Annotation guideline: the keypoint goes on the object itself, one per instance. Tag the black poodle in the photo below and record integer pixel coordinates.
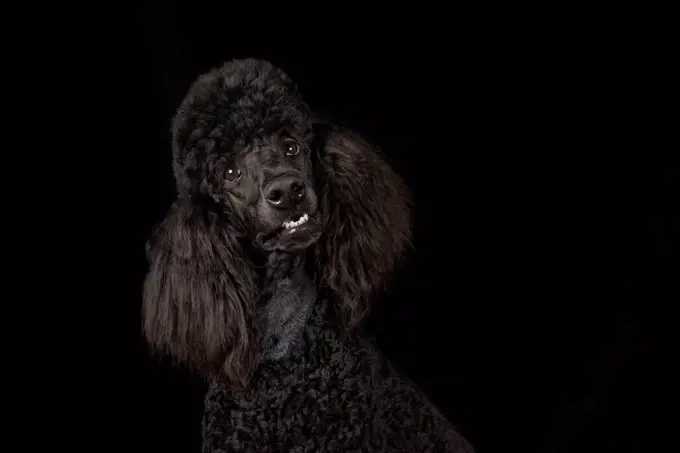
(284, 230)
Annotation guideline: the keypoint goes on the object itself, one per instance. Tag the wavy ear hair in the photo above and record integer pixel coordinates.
(366, 213)
(200, 292)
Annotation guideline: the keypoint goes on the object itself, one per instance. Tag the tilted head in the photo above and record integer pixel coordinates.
(243, 137)
(255, 174)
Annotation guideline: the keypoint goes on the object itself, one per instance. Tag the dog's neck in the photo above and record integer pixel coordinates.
(286, 303)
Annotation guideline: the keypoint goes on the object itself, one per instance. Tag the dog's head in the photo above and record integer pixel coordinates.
(255, 171)
(243, 137)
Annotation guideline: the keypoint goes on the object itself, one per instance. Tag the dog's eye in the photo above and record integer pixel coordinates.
(291, 147)
(232, 175)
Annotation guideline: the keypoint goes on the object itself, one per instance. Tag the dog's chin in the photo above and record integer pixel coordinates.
(290, 238)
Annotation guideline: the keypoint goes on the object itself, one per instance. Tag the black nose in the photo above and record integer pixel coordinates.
(284, 192)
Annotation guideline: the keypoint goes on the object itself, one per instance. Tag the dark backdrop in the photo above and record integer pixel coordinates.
(536, 238)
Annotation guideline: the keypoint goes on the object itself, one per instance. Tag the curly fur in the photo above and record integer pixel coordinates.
(207, 279)
(366, 217)
(341, 395)
(200, 292)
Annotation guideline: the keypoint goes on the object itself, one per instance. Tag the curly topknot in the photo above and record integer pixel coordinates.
(227, 108)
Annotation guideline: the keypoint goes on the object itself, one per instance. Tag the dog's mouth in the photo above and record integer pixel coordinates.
(292, 225)
(297, 233)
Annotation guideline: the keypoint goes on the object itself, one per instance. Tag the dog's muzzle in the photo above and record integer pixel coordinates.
(291, 214)
(285, 192)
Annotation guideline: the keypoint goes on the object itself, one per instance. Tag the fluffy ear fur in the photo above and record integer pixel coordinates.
(366, 213)
(200, 292)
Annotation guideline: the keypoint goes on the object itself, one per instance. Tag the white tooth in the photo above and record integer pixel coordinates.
(292, 224)
(293, 230)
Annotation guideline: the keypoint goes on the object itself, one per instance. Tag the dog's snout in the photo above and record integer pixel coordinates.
(284, 192)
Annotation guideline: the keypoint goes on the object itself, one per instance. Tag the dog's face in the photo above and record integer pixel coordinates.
(243, 136)
(270, 186)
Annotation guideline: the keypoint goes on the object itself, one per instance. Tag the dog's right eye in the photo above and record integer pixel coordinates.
(232, 175)
(291, 147)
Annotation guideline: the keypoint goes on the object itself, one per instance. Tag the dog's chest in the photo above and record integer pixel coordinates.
(284, 318)
(339, 395)
(320, 396)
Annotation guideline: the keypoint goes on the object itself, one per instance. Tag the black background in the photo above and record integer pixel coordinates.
(541, 227)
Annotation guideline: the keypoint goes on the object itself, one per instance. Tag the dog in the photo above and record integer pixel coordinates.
(286, 229)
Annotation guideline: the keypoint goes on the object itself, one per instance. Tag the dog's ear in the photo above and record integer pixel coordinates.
(366, 214)
(199, 293)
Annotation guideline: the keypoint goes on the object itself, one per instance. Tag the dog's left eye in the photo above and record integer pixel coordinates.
(291, 147)
(232, 175)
